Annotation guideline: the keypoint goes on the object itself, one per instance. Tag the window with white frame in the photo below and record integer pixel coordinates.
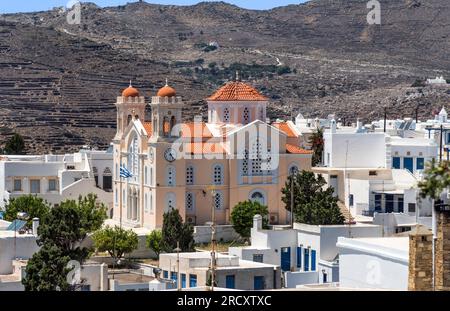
(171, 176)
(218, 174)
(17, 185)
(151, 175)
(35, 186)
(146, 175)
(226, 115)
(52, 186)
(218, 200)
(190, 201)
(257, 196)
(146, 203)
(151, 203)
(190, 175)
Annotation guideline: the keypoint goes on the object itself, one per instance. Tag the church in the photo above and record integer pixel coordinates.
(199, 166)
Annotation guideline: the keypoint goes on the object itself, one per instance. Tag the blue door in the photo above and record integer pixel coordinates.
(299, 257)
(258, 282)
(420, 163)
(396, 162)
(313, 260)
(285, 259)
(183, 280)
(306, 260)
(229, 282)
(408, 164)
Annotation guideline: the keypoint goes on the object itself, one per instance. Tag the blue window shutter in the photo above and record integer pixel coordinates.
(299, 257)
(313, 260)
(192, 280)
(183, 280)
(306, 259)
(420, 163)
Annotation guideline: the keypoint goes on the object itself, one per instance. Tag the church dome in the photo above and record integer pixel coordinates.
(130, 92)
(166, 91)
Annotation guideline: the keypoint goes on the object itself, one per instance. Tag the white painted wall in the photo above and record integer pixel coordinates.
(25, 248)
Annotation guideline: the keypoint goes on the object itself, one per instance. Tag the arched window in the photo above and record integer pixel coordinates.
(146, 176)
(218, 200)
(171, 176)
(190, 175)
(246, 115)
(170, 202)
(146, 203)
(166, 126)
(293, 169)
(117, 171)
(226, 115)
(261, 114)
(258, 196)
(151, 203)
(190, 202)
(133, 158)
(151, 176)
(129, 119)
(217, 174)
(173, 122)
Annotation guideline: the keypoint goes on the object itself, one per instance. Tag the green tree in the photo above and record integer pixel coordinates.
(174, 230)
(116, 241)
(154, 241)
(436, 179)
(30, 204)
(15, 145)
(313, 204)
(242, 216)
(47, 270)
(68, 224)
(317, 143)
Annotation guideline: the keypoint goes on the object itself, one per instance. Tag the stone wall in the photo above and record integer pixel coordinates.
(420, 276)
(442, 255)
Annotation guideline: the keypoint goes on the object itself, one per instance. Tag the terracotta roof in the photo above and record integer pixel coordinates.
(237, 91)
(148, 128)
(204, 148)
(285, 128)
(297, 150)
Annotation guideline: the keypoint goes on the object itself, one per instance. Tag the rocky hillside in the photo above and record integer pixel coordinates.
(58, 82)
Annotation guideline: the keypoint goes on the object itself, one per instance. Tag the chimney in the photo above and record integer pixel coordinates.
(420, 275)
(35, 226)
(442, 251)
(257, 222)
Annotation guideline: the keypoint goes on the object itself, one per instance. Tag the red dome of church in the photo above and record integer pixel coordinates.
(166, 91)
(130, 92)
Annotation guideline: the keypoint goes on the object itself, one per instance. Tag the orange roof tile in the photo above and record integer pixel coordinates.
(204, 148)
(285, 128)
(236, 91)
(297, 150)
(148, 128)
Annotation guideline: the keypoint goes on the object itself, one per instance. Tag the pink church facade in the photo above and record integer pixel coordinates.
(197, 166)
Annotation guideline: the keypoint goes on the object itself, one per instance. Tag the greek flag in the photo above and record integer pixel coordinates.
(124, 173)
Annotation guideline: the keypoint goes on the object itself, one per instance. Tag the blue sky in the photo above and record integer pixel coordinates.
(13, 6)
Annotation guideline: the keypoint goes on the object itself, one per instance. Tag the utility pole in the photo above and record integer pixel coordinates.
(213, 238)
(440, 144)
(178, 250)
(292, 197)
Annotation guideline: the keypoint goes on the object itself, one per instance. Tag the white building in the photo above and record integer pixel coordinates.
(438, 80)
(231, 271)
(56, 178)
(374, 171)
(378, 263)
(306, 254)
